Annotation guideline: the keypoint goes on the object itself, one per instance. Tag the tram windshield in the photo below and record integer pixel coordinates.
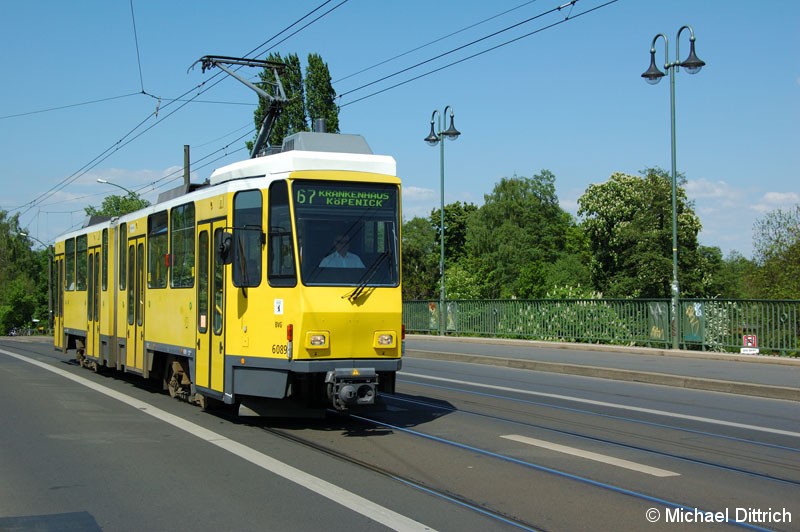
(347, 233)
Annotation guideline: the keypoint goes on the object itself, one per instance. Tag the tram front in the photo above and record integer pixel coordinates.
(347, 342)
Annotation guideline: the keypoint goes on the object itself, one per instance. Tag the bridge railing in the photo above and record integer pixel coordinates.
(705, 324)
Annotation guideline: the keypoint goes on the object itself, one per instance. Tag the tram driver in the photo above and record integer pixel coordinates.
(341, 256)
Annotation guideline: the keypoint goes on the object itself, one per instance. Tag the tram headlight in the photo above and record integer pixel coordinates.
(384, 340)
(317, 340)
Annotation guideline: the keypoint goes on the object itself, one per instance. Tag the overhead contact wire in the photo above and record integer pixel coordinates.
(477, 54)
(118, 144)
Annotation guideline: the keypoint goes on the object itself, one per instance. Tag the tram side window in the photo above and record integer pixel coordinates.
(182, 246)
(202, 282)
(280, 254)
(69, 261)
(57, 288)
(157, 250)
(217, 286)
(104, 281)
(123, 255)
(131, 283)
(80, 262)
(92, 299)
(247, 238)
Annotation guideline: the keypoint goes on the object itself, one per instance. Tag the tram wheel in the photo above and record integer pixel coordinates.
(173, 384)
(205, 403)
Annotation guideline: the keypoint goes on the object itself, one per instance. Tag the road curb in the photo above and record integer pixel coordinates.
(609, 348)
(664, 379)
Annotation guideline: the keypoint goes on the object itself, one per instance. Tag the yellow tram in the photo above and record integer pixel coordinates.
(275, 285)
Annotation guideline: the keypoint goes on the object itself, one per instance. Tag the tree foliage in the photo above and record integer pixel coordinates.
(517, 234)
(456, 216)
(293, 117)
(727, 277)
(23, 277)
(628, 223)
(309, 98)
(420, 260)
(320, 96)
(776, 239)
(114, 205)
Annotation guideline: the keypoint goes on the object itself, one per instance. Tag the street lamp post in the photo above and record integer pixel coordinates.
(653, 75)
(49, 279)
(107, 182)
(437, 136)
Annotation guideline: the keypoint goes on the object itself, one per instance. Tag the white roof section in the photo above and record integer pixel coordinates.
(296, 160)
(303, 151)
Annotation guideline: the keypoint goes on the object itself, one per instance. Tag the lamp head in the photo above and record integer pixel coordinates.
(693, 64)
(653, 75)
(451, 132)
(432, 139)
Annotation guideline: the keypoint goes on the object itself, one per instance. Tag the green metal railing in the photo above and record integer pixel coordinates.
(705, 324)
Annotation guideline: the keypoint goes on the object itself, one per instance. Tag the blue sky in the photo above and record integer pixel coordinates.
(569, 99)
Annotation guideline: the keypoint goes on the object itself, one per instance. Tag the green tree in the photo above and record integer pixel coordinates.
(422, 252)
(724, 277)
(569, 273)
(456, 217)
(464, 281)
(20, 303)
(293, 117)
(320, 96)
(732, 277)
(628, 223)
(516, 234)
(23, 277)
(309, 98)
(114, 205)
(776, 243)
(420, 260)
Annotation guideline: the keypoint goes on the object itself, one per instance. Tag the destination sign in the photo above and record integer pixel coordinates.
(344, 196)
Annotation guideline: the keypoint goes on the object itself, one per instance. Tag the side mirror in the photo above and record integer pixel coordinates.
(224, 249)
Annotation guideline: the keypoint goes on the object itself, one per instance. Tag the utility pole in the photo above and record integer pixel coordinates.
(186, 165)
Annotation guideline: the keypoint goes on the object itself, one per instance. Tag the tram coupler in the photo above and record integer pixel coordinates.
(349, 387)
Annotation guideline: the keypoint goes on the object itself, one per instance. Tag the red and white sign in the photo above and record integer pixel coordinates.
(749, 344)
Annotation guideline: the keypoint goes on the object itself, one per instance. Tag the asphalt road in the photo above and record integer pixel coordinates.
(94, 452)
(461, 446)
(762, 376)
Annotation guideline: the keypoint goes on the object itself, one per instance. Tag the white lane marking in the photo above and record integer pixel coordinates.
(338, 495)
(613, 405)
(641, 468)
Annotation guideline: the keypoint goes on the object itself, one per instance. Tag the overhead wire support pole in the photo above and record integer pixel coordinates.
(211, 61)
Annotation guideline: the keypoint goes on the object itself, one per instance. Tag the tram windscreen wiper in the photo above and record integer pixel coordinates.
(367, 277)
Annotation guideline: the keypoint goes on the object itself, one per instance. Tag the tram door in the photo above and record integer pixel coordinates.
(210, 358)
(58, 302)
(134, 351)
(92, 304)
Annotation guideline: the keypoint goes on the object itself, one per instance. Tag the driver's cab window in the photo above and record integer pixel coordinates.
(247, 238)
(347, 232)
(280, 246)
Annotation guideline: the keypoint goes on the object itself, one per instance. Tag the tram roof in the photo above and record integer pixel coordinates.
(311, 151)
